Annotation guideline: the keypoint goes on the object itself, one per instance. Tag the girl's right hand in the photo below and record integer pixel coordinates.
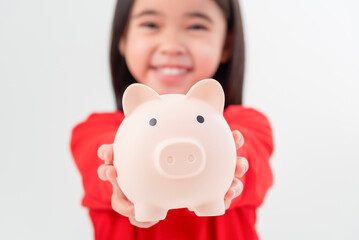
(119, 201)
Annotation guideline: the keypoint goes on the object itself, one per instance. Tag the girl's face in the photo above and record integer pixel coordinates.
(171, 45)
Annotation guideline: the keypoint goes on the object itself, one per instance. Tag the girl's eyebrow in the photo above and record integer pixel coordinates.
(190, 14)
(146, 13)
(199, 15)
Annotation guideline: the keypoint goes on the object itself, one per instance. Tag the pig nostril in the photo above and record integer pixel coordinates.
(191, 158)
(170, 160)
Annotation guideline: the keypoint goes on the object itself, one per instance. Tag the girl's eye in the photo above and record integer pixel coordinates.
(149, 25)
(197, 27)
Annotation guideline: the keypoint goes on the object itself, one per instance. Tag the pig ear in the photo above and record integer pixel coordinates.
(210, 91)
(135, 95)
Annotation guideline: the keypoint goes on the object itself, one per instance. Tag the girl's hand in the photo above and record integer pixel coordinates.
(119, 202)
(241, 168)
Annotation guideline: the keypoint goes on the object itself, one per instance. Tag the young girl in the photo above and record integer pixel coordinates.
(170, 45)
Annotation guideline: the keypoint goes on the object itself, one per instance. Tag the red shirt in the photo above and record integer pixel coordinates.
(237, 223)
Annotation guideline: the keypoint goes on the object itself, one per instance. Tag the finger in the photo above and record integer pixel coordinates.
(105, 172)
(141, 224)
(119, 201)
(241, 166)
(108, 155)
(235, 190)
(238, 138)
(101, 172)
(111, 173)
(101, 150)
(227, 203)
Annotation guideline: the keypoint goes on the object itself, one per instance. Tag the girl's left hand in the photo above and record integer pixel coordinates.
(241, 168)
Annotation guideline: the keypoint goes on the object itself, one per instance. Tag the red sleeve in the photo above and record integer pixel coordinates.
(86, 138)
(257, 149)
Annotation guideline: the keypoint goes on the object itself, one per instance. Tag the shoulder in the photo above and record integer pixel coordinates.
(102, 118)
(249, 121)
(234, 113)
(98, 122)
(105, 117)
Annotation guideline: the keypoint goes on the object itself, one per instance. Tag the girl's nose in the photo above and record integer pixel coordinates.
(172, 45)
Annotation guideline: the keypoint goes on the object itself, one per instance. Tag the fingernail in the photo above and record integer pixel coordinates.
(244, 169)
(245, 166)
(132, 213)
(105, 154)
(107, 173)
(234, 192)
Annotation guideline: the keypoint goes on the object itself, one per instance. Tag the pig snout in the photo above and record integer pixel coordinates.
(179, 158)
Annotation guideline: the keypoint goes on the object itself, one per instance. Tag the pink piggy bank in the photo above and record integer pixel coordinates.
(174, 151)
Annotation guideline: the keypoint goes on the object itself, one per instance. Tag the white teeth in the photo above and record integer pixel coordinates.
(172, 71)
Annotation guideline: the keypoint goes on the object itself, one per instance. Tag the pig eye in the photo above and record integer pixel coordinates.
(153, 121)
(200, 119)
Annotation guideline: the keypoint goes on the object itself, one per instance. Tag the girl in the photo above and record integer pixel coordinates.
(170, 45)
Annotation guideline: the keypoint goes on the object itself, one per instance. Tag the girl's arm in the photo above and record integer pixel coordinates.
(257, 149)
(86, 138)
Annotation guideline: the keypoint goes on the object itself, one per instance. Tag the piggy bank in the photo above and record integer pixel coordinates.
(174, 151)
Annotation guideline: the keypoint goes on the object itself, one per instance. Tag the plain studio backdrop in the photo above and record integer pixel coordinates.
(302, 71)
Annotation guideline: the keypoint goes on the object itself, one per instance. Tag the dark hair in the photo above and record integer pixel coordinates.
(230, 74)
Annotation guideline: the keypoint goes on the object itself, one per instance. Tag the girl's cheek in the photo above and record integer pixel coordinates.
(139, 48)
(208, 53)
(140, 58)
(206, 60)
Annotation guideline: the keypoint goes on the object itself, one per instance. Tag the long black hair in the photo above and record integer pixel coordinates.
(230, 74)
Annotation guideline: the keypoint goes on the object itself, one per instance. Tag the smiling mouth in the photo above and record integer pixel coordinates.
(171, 75)
(172, 71)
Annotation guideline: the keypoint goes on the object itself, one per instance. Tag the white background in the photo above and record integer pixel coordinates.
(302, 71)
